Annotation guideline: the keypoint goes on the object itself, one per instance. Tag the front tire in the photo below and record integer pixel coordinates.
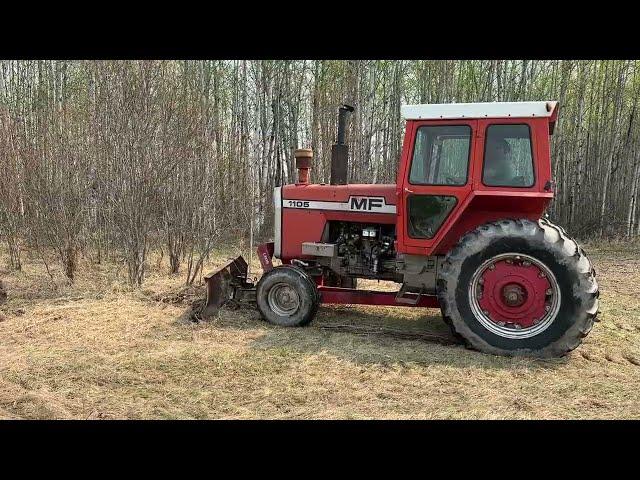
(517, 287)
(287, 296)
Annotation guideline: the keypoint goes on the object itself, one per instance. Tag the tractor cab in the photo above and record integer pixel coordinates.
(462, 164)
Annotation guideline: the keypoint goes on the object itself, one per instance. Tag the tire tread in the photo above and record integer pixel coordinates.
(519, 227)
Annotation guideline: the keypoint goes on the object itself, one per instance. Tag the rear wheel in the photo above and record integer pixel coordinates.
(287, 296)
(518, 287)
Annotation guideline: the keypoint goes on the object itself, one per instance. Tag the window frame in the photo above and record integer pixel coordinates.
(470, 148)
(484, 156)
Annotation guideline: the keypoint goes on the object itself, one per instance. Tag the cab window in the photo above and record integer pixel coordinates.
(508, 161)
(441, 155)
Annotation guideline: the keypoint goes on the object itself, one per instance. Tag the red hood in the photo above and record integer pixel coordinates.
(338, 193)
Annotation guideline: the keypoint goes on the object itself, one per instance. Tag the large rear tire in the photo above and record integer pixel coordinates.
(287, 296)
(517, 287)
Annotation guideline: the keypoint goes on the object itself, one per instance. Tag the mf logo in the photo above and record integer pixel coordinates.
(366, 203)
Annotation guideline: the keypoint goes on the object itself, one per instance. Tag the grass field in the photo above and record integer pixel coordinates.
(99, 349)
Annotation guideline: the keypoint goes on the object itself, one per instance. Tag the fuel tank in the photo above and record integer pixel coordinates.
(303, 210)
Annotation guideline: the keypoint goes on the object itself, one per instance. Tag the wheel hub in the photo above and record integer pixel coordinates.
(283, 299)
(514, 295)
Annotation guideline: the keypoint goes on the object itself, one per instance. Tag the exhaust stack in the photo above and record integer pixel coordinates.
(340, 150)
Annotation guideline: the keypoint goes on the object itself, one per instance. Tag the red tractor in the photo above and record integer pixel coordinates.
(463, 229)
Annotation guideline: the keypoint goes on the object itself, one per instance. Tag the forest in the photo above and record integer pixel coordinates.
(110, 160)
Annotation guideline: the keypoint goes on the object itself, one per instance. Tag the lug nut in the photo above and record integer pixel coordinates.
(549, 291)
(526, 263)
(492, 266)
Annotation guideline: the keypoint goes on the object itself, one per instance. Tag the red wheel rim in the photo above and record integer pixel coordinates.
(514, 295)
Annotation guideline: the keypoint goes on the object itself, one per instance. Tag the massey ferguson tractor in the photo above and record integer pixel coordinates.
(463, 230)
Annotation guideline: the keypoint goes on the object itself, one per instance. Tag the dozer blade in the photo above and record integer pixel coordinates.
(222, 284)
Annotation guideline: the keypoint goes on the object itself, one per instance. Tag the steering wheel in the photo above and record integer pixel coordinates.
(454, 181)
(420, 226)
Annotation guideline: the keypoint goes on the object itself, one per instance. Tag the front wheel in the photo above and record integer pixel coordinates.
(287, 296)
(517, 287)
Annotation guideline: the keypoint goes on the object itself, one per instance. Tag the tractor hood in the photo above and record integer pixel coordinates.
(341, 193)
(303, 210)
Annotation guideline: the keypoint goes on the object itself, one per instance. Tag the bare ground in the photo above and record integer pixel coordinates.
(99, 349)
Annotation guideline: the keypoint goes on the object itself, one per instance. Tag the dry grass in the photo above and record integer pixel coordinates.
(99, 349)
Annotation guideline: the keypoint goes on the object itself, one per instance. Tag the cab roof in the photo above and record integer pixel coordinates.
(437, 111)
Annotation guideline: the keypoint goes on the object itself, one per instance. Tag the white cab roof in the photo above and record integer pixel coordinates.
(477, 110)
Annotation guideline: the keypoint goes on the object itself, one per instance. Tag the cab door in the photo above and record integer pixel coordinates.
(435, 178)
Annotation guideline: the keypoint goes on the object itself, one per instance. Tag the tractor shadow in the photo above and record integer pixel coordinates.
(388, 337)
